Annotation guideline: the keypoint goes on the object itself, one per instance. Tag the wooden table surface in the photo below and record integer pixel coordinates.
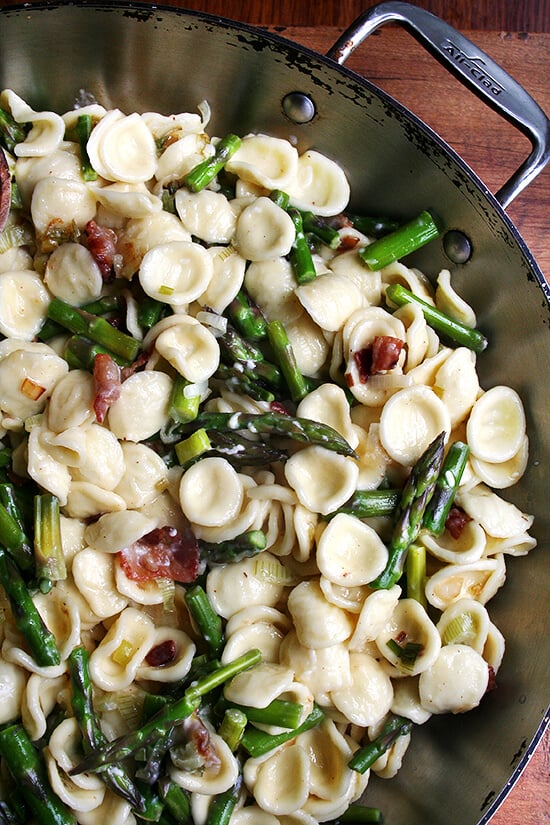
(517, 36)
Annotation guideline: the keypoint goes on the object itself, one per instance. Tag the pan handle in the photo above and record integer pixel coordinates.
(473, 68)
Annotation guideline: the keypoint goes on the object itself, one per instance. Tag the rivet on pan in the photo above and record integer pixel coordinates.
(457, 246)
(298, 107)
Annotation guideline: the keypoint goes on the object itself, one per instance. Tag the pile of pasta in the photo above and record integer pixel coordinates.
(304, 601)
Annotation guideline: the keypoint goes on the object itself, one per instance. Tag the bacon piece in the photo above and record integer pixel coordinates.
(198, 735)
(162, 654)
(380, 356)
(456, 521)
(136, 365)
(101, 242)
(164, 553)
(385, 353)
(107, 383)
(278, 407)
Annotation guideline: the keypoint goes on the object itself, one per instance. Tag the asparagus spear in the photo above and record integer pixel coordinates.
(223, 805)
(242, 380)
(415, 496)
(282, 199)
(374, 227)
(201, 175)
(12, 532)
(234, 347)
(116, 777)
(369, 503)
(80, 352)
(183, 407)
(300, 254)
(28, 620)
(81, 322)
(365, 757)
(320, 228)
(284, 355)
(247, 317)
(401, 242)
(232, 727)
(176, 802)
(279, 712)
(443, 324)
(171, 714)
(446, 487)
(415, 568)
(241, 547)
(29, 772)
(304, 430)
(11, 132)
(48, 549)
(205, 617)
(84, 126)
(150, 311)
(256, 742)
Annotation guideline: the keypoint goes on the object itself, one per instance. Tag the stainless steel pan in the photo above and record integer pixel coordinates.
(153, 58)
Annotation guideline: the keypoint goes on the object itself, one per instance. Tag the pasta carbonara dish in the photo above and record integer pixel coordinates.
(252, 495)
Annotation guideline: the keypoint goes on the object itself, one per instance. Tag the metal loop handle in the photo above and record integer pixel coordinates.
(473, 68)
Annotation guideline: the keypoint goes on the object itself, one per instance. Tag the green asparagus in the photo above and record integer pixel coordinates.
(369, 503)
(116, 777)
(29, 772)
(48, 548)
(300, 254)
(401, 242)
(11, 132)
(207, 620)
(204, 173)
(257, 742)
(286, 359)
(241, 547)
(171, 714)
(451, 330)
(446, 486)
(303, 430)
(374, 227)
(281, 713)
(415, 496)
(28, 620)
(223, 805)
(321, 229)
(232, 727)
(12, 532)
(95, 327)
(84, 126)
(247, 317)
(365, 757)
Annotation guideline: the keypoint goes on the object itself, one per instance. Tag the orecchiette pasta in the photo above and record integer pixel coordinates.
(219, 496)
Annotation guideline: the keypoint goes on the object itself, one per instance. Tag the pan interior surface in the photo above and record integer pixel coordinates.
(154, 59)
